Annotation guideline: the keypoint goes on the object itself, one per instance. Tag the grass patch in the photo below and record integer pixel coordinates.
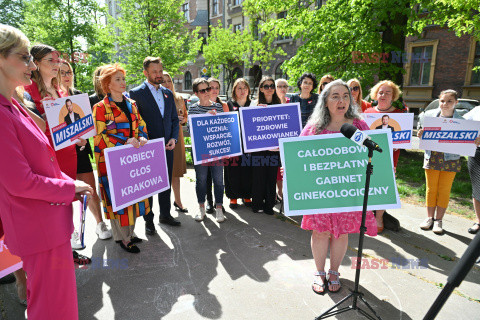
(411, 183)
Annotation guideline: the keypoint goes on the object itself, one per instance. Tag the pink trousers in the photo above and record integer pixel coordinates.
(51, 284)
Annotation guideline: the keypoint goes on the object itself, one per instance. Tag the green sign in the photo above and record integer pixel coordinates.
(326, 173)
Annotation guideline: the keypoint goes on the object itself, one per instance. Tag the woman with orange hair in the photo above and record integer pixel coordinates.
(125, 126)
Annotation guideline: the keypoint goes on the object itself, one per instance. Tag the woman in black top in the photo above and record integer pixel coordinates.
(265, 163)
(238, 171)
(84, 165)
(307, 98)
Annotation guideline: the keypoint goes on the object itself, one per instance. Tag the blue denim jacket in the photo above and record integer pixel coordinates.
(436, 113)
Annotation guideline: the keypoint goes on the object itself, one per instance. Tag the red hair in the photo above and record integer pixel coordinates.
(107, 73)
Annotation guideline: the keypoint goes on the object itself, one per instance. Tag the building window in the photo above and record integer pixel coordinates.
(421, 57)
(237, 2)
(187, 81)
(185, 9)
(237, 27)
(279, 73)
(282, 15)
(476, 63)
(214, 7)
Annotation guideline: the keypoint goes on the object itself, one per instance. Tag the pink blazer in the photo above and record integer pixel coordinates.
(35, 196)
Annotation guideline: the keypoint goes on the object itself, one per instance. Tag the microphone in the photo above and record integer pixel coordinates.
(359, 137)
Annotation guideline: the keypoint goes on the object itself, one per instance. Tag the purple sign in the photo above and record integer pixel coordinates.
(263, 126)
(136, 174)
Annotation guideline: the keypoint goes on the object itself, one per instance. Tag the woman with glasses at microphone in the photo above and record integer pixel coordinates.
(335, 108)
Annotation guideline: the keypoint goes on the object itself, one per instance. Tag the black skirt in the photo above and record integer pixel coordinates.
(474, 170)
(83, 159)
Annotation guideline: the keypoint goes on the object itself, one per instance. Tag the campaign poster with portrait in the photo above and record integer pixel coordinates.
(69, 118)
(401, 125)
(450, 135)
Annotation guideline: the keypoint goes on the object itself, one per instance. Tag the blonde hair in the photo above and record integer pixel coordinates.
(107, 73)
(325, 77)
(71, 87)
(177, 97)
(396, 90)
(97, 86)
(10, 39)
(360, 93)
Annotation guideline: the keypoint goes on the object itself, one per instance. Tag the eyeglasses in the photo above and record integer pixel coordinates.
(53, 61)
(68, 73)
(26, 58)
(268, 86)
(282, 87)
(356, 88)
(205, 90)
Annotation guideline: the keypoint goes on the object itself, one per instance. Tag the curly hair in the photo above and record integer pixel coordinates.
(308, 75)
(396, 90)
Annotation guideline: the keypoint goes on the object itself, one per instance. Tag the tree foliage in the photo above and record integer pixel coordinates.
(153, 28)
(76, 28)
(333, 33)
(12, 12)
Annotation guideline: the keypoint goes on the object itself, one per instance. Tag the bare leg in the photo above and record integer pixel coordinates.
(21, 284)
(440, 213)
(476, 206)
(94, 204)
(176, 191)
(280, 188)
(431, 212)
(379, 217)
(319, 243)
(338, 248)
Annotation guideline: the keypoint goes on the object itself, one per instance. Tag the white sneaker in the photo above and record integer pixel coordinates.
(102, 231)
(75, 241)
(201, 215)
(437, 227)
(427, 224)
(220, 216)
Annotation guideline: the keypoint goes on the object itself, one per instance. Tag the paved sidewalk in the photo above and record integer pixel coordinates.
(255, 266)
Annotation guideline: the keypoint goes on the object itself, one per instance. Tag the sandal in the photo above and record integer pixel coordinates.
(333, 282)
(474, 229)
(130, 247)
(81, 259)
(318, 281)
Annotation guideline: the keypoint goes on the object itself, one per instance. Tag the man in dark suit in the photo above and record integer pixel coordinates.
(384, 124)
(157, 107)
(70, 115)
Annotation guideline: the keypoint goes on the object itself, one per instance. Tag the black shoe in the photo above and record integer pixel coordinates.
(80, 259)
(150, 228)
(177, 207)
(130, 247)
(209, 208)
(170, 221)
(269, 212)
(136, 239)
(390, 222)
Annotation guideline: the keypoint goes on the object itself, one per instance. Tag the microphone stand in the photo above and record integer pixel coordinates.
(355, 294)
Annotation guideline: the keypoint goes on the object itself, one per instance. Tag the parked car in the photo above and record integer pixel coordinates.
(192, 100)
(463, 106)
(185, 96)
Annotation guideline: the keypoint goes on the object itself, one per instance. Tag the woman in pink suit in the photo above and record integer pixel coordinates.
(35, 195)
